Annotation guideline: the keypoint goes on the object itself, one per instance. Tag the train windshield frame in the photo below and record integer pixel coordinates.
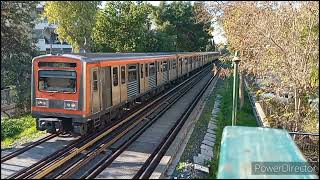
(64, 81)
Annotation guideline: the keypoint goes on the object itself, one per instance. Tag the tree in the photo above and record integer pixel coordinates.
(123, 27)
(177, 21)
(276, 39)
(75, 20)
(204, 26)
(16, 47)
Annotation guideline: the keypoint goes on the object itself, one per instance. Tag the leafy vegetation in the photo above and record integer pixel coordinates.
(122, 27)
(75, 21)
(245, 117)
(17, 130)
(126, 26)
(287, 51)
(16, 48)
(177, 21)
(181, 166)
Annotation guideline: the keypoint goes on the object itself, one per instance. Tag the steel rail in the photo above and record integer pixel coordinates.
(26, 148)
(45, 161)
(152, 162)
(40, 173)
(105, 162)
(143, 117)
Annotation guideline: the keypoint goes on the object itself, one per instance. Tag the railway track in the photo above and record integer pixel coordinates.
(150, 118)
(64, 163)
(25, 172)
(26, 148)
(151, 163)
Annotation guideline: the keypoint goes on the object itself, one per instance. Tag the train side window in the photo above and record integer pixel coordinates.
(164, 66)
(146, 69)
(152, 69)
(161, 66)
(115, 76)
(141, 70)
(95, 80)
(174, 64)
(132, 73)
(123, 75)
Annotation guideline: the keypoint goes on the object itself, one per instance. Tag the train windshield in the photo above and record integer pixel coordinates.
(57, 81)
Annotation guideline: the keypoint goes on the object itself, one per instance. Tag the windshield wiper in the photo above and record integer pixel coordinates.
(55, 92)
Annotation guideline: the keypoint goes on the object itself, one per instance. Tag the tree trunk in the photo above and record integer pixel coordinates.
(241, 90)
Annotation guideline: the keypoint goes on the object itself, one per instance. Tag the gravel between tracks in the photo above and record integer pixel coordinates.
(185, 167)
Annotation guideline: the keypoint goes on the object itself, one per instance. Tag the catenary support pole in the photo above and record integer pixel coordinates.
(236, 61)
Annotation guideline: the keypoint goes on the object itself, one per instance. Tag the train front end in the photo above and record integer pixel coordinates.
(56, 93)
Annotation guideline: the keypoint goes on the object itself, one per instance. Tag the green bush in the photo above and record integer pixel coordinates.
(11, 128)
(245, 117)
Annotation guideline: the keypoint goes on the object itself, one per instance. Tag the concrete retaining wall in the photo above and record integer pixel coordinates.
(257, 109)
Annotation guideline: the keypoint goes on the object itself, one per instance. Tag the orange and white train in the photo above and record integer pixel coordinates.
(82, 92)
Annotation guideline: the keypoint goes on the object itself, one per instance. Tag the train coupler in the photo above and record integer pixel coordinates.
(80, 128)
(52, 125)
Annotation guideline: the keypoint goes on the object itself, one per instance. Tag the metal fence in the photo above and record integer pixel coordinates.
(308, 143)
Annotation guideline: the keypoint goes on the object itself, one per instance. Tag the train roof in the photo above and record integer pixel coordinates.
(92, 57)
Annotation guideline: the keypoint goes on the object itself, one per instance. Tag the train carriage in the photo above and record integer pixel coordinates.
(173, 72)
(81, 92)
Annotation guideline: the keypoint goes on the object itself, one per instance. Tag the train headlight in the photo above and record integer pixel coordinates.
(71, 105)
(40, 102)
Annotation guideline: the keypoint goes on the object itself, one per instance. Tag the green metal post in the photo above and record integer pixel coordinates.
(237, 93)
(235, 90)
